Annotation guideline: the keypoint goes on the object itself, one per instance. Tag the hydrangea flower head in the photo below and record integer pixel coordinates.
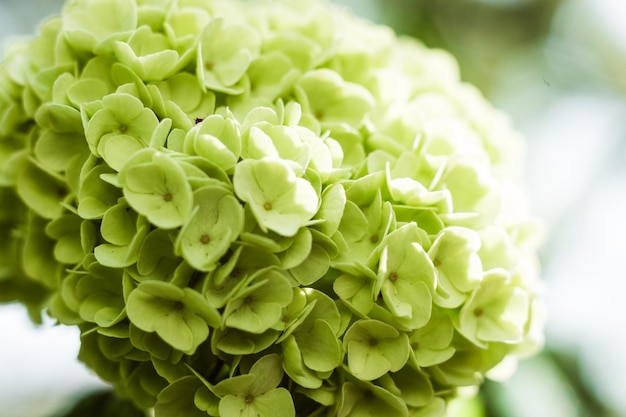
(266, 208)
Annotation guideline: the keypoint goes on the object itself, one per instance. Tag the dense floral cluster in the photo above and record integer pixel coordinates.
(262, 208)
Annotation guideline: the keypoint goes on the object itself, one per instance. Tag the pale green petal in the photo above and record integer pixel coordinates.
(92, 25)
(280, 201)
(159, 190)
(497, 311)
(216, 222)
(375, 348)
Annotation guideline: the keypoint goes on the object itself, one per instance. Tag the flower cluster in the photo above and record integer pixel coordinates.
(262, 208)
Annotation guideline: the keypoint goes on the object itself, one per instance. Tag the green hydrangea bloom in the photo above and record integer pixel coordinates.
(262, 208)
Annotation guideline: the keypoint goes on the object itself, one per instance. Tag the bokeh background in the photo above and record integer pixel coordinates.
(558, 68)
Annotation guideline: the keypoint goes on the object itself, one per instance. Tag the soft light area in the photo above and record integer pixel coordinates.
(38, 366)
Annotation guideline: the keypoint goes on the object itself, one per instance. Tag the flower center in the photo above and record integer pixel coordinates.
(204, 239)
(167, 196)
(267, 206)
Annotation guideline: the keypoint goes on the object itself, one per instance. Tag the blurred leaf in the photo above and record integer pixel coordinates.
(101, 404)
(481, 36)
(555, 366)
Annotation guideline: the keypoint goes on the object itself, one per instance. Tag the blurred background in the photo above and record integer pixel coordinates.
(558, 68)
